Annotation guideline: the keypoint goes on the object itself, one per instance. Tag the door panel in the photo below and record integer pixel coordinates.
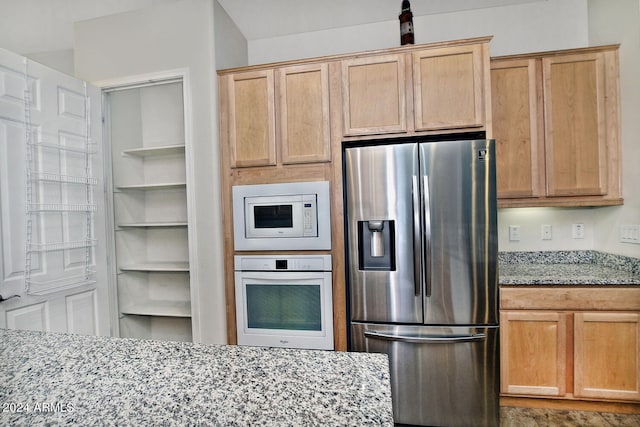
(379, 187)
(450, 381)
(56, 113)
(459, 188)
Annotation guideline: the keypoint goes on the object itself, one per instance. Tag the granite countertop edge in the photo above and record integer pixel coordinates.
(569, 268)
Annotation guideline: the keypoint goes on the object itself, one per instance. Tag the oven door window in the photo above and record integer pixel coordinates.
(279, 306)
(273, 216)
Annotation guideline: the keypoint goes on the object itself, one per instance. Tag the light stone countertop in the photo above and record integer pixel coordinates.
(568, 268)
(54, 379)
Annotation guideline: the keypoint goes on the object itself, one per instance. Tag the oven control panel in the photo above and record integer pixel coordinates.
(282, 263)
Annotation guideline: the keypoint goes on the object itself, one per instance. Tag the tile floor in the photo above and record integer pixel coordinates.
(529, 417)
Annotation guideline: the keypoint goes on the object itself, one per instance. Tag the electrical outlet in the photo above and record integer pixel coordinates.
(578, 231)
(514, 233)
(546, 231)
(630, 234)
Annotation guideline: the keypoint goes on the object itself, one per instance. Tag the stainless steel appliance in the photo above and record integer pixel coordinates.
(282, 216)
(284, 301)
(422, 275)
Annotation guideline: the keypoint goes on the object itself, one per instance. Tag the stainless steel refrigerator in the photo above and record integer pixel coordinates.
(422, 275)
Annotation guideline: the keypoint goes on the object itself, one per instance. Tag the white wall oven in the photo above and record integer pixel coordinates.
(288, 216)
(284, 301)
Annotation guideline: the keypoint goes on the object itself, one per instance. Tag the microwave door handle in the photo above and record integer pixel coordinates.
(434, 339)
(417, 239)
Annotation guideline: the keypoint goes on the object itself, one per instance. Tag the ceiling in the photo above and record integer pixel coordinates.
(30, 26)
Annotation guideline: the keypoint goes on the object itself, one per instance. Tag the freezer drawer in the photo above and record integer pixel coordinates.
(440, 376)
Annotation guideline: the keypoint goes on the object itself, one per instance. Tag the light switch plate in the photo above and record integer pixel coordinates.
(546, 232)
(578, 231)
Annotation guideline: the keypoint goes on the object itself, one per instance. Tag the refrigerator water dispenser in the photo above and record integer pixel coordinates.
(376, 249)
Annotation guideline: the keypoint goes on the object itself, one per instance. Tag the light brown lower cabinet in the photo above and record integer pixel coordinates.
(560, 344)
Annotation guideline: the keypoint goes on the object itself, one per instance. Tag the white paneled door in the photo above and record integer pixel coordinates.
(53, 264)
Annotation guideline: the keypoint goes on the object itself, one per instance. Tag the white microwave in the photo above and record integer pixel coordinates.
(289, 216)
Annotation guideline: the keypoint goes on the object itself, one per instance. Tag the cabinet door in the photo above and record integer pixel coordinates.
(518, 128)
(304, 113)
(607, 355)
(374, 90)
(533, 352)
(252, 118)
(448, 88)
(575, 134)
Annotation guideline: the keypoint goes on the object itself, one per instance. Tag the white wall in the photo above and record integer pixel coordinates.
(230, 45)
(528, 27)
(165, 37)
(626, 31)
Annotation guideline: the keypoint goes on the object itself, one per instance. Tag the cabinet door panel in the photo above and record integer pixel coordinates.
(575, 137)
(517, 128)
(448, 88)
(304, 114)
(252, 119)
(607, 355)
(533, 353)
(374, 95)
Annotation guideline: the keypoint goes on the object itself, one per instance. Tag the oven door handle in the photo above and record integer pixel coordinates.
(433, 339)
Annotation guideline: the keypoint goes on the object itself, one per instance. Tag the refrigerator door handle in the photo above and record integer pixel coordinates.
(417, 247)
(434, 339)
(427, 235)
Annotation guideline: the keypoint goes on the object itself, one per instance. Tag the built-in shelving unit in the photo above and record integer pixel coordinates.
(150, 209)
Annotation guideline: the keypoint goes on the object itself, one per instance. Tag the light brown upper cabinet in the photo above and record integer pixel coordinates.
(278, 115)
(251, 110)
(423, 89)
(304, 113)
(449, 87)
(518, 127)
(557, 127)
(374, 90)
(575, 124)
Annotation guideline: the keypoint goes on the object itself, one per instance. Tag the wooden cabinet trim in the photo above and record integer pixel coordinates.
(339, 57)
(570, 298)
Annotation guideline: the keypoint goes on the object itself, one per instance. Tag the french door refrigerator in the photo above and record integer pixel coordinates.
(422, 275)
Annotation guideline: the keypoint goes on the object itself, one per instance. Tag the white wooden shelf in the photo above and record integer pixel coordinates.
(164, 150)
(177, 224)
(151, 187)
(160, 267)
(159, 308)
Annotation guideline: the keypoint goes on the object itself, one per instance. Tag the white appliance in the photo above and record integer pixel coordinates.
(282, 216)
(284, 301)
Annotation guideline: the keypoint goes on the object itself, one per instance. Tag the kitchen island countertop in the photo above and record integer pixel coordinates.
(568, 268)
(53, 379)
